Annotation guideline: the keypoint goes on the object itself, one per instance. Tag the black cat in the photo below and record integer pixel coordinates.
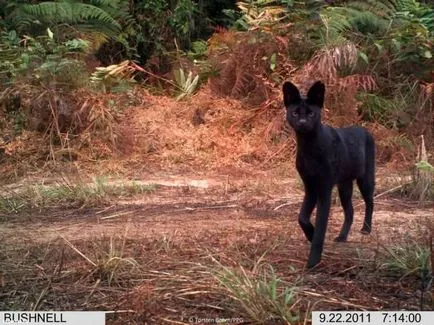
(327, 156)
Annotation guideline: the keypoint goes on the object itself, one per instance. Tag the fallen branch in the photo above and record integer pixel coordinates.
(386, 192)
(283, 205)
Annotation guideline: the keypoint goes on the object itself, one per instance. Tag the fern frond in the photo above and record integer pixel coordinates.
(335, 19)
(384, 9)
(340, 19)
(72, 13)
(106, 3)
(405, 5)
(328, 61)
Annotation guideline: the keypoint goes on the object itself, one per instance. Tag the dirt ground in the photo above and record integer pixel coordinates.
(170, 240)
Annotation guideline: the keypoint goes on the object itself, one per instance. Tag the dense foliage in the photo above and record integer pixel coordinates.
(383, 49)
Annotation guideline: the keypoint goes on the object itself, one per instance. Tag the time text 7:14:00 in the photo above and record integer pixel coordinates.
(373, 317)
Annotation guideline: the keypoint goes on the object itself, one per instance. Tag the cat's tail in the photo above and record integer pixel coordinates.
(370, 158)
(367, 183)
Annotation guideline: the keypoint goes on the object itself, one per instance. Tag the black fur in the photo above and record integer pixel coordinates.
(328, 156)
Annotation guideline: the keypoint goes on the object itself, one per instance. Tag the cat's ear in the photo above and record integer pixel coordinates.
(291, 95)
(315, 95)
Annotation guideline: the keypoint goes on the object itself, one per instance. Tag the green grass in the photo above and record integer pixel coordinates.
(258, 294)
(70, 193)
(408, 259)
(12, 204)
(415, 260)
(393, 111)
(110, 265)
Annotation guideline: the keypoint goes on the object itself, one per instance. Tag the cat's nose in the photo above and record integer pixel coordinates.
(302, 121)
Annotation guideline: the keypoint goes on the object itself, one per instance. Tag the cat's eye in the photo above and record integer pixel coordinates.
(311, 114)
(295, 114)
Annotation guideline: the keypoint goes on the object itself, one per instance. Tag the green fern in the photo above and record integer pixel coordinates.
(385, 24)
(383, 9)
(353, 18)
(106, 3)
(376, 15)
(79, 15)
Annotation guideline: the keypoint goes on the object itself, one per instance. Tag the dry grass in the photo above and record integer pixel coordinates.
(258, 294)
(248, 65)
(229, 135)
(117, 133)
(196, 278)
(204, 133)
(169, 262)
